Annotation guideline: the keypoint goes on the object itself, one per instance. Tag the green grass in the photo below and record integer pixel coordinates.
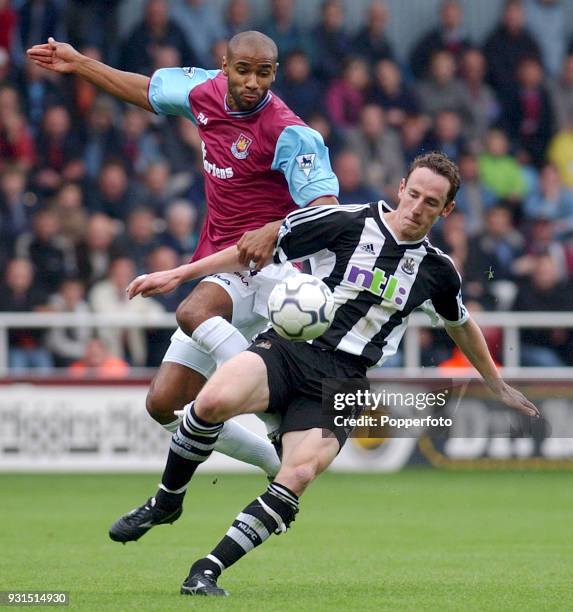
(417, 540)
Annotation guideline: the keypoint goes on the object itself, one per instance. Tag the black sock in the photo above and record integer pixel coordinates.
(272, 512)
(191, 444)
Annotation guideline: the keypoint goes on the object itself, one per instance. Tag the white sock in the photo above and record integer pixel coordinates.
(220, 339)
(272, 421)
(173, 425)
(239, 443)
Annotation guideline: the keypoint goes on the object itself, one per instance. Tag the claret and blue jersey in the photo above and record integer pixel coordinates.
(259, 165)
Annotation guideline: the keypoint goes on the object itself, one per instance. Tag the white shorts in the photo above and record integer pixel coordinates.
(250, 295)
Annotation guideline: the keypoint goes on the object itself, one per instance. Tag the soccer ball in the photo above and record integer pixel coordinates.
(301, 307)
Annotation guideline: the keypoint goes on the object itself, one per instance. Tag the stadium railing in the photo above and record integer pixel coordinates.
(509, 322)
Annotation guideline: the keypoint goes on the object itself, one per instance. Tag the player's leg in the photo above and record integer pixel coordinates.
(305, 455)
(188, 363)
(238, 387)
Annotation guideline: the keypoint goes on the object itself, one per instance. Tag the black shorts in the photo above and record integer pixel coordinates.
(296, 371)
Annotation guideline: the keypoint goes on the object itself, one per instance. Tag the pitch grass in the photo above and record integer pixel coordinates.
(417, 540)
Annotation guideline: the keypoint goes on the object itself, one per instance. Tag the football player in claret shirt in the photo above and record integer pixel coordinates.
(260, 163)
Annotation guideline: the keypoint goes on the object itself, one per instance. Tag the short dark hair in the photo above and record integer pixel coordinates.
(441, 164)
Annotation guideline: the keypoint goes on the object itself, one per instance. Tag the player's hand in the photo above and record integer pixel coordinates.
(515, 399)
(258, 245)
(153, 284)
(55, 56)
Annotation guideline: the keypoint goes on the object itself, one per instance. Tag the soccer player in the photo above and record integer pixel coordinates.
(260, 162)
(380, 266)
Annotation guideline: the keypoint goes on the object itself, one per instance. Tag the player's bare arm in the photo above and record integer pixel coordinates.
(258, 245)
(471, 341)
(63, 58)
(168, 280)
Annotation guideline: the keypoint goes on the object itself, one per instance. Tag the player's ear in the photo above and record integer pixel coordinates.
(225, 66)
(402, 187)
(448, 208)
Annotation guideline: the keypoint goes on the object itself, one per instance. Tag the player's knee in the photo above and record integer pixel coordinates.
(214, 405)
(298, 477)
(188, 318)
(159, 407)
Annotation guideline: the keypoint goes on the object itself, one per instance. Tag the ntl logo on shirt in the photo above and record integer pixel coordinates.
(377, 282)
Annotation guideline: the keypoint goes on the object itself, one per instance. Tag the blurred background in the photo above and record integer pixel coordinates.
(93, 192)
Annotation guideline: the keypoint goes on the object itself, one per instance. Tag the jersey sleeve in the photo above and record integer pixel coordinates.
(448, 303)
(306, 232)
(169, 89)
(302, 156)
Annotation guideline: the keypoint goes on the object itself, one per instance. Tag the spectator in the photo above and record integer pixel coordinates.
(389, 91)
(414, 136)
(138, 146)
(181, 233)
(492, 254)
(83, 93)
(446, 135)
(371, 42)
(20, 293)
(546, 20)
(37, 19)
(72, 215)
(39, 90)
(98, 248)
(330, 42)
(346, 96)
(378, 147)
(498, 170)
(483, 105)
(353, 189)
(506, 46)
(98, 362)
(551, 200)
(442, 90)
(330, 133)
(50, 254)
(202, 26)
(473, 198)
(101, 139)
(562, 94)
(449, 36)
(58, 153)
(8, 19)
(237, 17)
(140, 237)
(156, 30)
(529, 113)
(159, 188)
(68, 344)
(544, 290)
(16, 205)
(109, 296)
(282, 28)
(113, 195)
(298, 88)
(16, 142)
(560, 152)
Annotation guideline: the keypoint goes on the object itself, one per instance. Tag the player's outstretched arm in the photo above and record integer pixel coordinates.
(168, 280)
(471, 341)
(63, 58)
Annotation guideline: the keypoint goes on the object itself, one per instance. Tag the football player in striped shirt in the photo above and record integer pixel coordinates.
(380, 266)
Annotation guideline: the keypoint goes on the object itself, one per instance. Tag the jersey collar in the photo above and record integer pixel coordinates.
(259, 107)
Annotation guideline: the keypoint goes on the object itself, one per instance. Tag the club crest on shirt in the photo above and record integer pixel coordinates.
(409, 265)
(306, 162)
(189, 71)
(240, 148)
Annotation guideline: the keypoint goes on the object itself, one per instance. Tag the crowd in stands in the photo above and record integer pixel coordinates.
(93, 192)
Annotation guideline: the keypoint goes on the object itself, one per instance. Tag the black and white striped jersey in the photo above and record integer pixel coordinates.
(377, 280)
